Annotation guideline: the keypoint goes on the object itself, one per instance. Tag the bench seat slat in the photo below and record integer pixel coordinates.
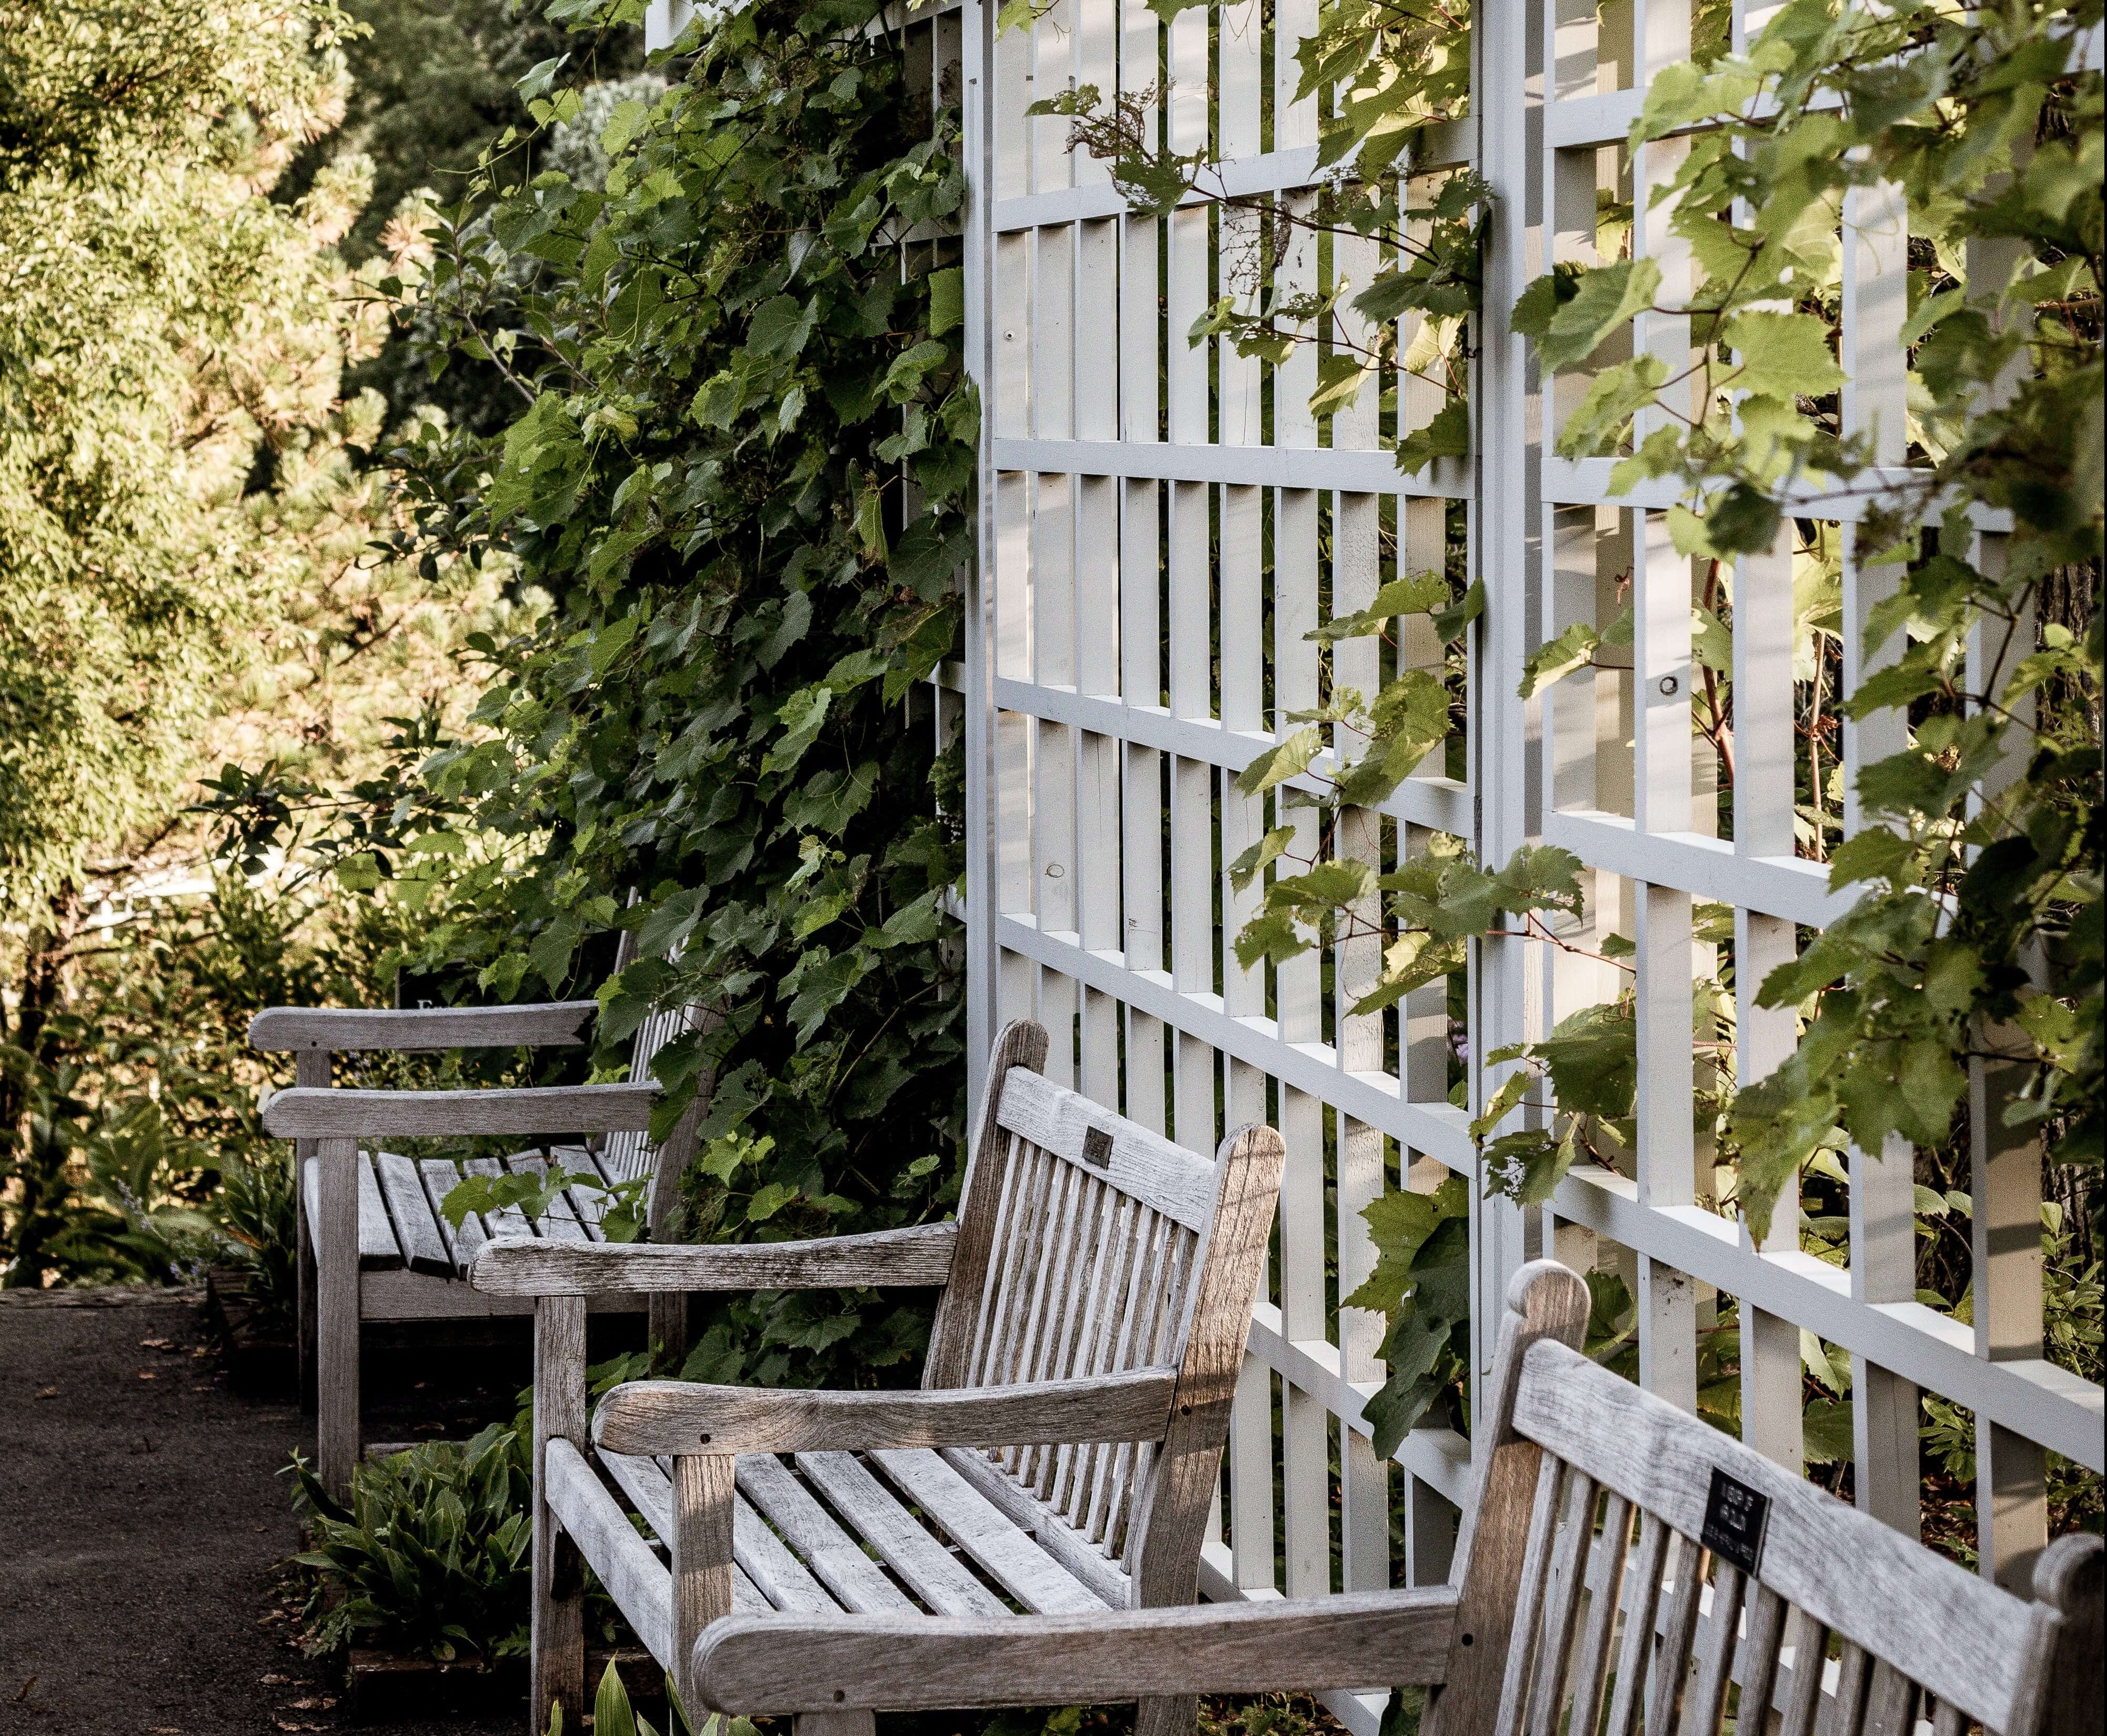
(377, 1249)
(1026, 1571)
(651, 1490)
(830, 1552)
(416, 1227)
(937, 1575)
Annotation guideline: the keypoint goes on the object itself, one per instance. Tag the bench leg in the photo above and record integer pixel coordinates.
(1167, 1714)
(557, 1630)
(305, 1278)
(311, 1069)
(336, 1324)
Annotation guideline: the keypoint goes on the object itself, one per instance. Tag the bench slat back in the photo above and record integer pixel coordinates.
(1096, 1237)
(1622, 1606)
(627, 1155)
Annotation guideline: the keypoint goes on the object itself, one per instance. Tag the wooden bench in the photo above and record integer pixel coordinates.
(1058, 1457)
(1619, 1556)
(374, 1243)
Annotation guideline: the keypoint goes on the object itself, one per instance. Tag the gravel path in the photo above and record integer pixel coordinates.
(142, 1524)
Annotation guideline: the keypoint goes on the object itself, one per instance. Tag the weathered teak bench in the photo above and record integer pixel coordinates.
(1743, 1583)
(1058, 1458)
(373, 1244)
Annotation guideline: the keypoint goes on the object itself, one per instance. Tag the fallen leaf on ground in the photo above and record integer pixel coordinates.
(147, 1373)
(157, 1344)
(275, 1681)
(49, 1392)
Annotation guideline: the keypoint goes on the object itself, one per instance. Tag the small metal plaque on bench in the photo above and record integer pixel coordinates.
(1096, 1148)
(1735, 1516)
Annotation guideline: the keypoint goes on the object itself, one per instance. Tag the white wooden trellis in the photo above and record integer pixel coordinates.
(1151, 518)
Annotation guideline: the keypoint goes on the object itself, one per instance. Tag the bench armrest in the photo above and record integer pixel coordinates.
(343, 1029)
(307, 1113)
(679, 1416)
(520, 1266)
(761, 1664)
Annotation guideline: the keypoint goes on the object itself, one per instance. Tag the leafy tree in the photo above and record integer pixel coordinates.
(186, 573)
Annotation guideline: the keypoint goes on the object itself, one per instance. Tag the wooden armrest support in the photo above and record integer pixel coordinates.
(521, 1266)
(307, 1114)
(757, 1664)
(678, 1416)
(342, 1029)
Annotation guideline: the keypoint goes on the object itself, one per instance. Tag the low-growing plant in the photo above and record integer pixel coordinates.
(433, 1555)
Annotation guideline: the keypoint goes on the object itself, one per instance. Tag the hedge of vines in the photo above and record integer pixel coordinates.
(739, 464)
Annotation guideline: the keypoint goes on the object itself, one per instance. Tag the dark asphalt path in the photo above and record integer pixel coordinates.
(142, 1523)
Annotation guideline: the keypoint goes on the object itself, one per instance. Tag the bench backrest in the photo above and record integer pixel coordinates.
(1089, 1245)
(1660, 1567)
(626, 1156)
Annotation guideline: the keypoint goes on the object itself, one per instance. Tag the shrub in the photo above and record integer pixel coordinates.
(433, 1556)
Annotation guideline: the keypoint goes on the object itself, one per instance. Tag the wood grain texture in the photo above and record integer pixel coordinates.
(937, 1577)
(835, 1558)
(987, 1534)
(547, 1109)
(766, 1664)
(1216, 1325)
(335, 1207)
(1544, 1300)
(667, 1416)
(834, 1723)
(699, 1554)
(1048, 1530)
(342, 1030)
(635, 1579)
(1178, 1183)
(556, 1622)
(311, 1069)
(1021, 1043)
(1959, 1636)
(375, 1237)
(416, 1227)
(2064, 1689)
(919, 1255)
(649, 1488)
(784, 1580)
